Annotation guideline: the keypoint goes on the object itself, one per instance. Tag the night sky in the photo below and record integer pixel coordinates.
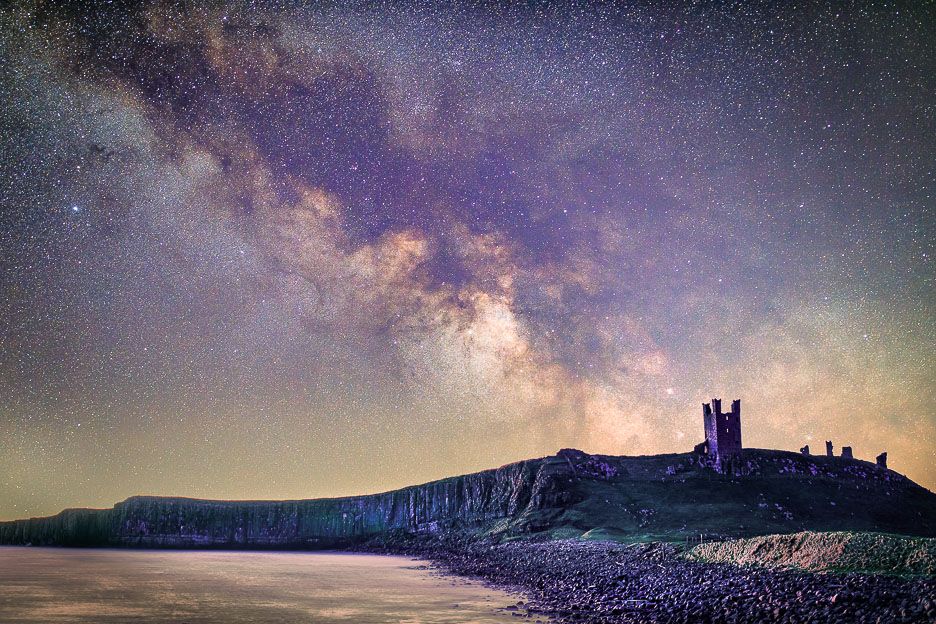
(277, 251)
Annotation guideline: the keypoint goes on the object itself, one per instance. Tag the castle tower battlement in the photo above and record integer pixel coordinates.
(722, 430)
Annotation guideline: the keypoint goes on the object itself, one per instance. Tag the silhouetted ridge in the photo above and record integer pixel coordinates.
(571, 493)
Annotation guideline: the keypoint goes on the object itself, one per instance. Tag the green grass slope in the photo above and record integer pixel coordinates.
(679, 497)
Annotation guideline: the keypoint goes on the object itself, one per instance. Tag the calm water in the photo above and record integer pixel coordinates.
(62, 585)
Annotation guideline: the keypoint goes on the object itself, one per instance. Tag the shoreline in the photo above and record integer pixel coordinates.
(607, 583)
(567, 581)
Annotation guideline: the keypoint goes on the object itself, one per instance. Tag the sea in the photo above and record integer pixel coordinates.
(101, 586)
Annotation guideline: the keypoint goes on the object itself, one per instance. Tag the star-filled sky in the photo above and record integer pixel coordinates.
(257, 250)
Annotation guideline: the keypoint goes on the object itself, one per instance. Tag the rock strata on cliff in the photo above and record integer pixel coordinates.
(475, 500)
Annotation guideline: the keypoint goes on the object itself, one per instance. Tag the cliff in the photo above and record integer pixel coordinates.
(666, 497)
(471, 500)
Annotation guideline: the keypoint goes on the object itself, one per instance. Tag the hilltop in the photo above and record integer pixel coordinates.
(673, 497)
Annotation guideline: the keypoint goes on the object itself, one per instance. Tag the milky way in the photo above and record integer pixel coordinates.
(282, 251)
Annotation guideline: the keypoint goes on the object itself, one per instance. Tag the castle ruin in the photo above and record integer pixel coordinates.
(723, 439)
(847, 453)
(722, 431)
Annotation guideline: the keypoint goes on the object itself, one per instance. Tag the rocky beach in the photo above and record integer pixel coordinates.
(606, 582)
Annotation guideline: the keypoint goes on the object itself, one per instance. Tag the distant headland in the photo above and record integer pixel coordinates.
(720, 489)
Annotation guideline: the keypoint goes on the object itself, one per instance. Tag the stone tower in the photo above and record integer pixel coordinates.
(722, 431)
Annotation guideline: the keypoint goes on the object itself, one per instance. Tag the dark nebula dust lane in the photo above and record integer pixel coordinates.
(283, 251)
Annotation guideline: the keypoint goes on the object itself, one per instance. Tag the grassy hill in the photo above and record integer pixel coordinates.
(676, 498)
(679, 497)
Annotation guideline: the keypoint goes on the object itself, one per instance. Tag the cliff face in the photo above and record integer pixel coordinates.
(468, 501)
(572, 493)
